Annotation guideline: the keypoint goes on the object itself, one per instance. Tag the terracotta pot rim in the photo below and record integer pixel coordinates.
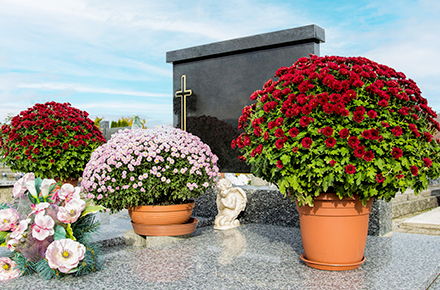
(169, 207)
(331, 267)
(166, 230)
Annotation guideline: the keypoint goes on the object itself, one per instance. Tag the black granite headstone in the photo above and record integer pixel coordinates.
(222, 75)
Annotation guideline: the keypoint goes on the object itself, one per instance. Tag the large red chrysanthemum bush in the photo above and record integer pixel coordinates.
(340, 124)
(53, 140)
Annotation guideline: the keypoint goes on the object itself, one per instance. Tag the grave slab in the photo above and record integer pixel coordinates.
(253, 256)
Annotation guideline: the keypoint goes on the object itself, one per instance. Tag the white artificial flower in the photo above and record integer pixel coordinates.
(43, 226)
(8, 218)
(45, 185)
(71, 211)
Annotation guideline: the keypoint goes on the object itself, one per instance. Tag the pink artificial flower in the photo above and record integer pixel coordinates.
(43, 226)
(71, 211)
(64, 255)
(17, 232)
(68, 192)
(8, 219)
(7, 269)
(20, 187)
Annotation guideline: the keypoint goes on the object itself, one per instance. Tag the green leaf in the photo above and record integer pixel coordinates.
(91, 209)
(285, 159)
(69, 232)
(60, 233)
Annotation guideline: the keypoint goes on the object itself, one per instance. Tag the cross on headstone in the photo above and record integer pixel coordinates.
(183, 93)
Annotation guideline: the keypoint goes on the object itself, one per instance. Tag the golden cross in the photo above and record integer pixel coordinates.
(183, 93)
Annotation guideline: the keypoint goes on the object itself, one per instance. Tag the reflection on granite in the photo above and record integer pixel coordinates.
(253, 256)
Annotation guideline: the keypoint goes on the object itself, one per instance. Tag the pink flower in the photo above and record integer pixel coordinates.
(64, 255)
(7, 270)
(68, 192)
(20, 185)
(43, 226)
(17, 232)
(72, 210)
(8, 219)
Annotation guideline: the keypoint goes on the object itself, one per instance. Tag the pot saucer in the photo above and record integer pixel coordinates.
(166, 230)
(331, 267)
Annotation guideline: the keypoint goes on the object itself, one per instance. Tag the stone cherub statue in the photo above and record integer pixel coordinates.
(230, 202)
(136, 123)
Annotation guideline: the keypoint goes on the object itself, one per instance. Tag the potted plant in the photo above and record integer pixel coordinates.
(52, 140)
(151, 171)
(47, 229)
(335, 130)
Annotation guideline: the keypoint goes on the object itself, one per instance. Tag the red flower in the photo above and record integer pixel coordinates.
(293, 132)
(372, 114)
(327, 131)
(399, 176)
(428, 136)
(52, 161)
(427, 161)
(385, 124)
(305, 121)
(280, 164)
(414, 170)
(279, 144)
(358, 116)
(271, 125)
(404, 110)
(353, 141)
(359, 151)
(397, 131)
(306, 142)
(332, 162)
(366, 134)
(266, 136)
(383, 103)
(350, 169)
(242, 158)
(397, 153)
(247, 140)
(259, 149)
(344, 133)
(380, 178)
(369, 156)
(233, 144)
(279, 133)
(295, 149)
(279, 122)
(330, 142)
(36, 150)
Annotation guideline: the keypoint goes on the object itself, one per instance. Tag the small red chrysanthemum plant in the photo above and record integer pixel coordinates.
(340, 124)
(53, 140)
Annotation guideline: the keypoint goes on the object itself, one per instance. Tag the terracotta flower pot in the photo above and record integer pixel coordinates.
(334, 232)
(163, 220)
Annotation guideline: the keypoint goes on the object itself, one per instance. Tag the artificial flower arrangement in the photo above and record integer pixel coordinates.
(158, 166)
(52, 140)
(340, 124)
(47, 228)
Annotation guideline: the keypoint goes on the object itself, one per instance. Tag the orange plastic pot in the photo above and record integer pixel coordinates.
(163, 220)
(334, 232)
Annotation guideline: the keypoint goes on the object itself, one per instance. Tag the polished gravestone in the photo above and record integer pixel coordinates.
(215, 80)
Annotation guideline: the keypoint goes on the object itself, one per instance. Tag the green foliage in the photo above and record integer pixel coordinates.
(83, 227)
(294, 133)
(45, 271)
(25, 266)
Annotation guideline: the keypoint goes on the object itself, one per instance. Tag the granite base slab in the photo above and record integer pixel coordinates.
(253, 256)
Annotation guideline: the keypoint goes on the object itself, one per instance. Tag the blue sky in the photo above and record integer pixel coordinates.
(107, 57)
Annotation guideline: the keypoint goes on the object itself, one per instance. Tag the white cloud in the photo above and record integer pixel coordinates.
(84, 89)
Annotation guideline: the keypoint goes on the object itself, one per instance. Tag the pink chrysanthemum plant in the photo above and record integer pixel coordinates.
(157, 166)
(340, 124)
(52, 140)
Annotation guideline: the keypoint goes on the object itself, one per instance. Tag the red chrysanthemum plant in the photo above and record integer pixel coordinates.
(53, 140)
(340, 124)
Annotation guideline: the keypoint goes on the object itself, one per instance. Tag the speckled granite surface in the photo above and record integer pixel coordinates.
(253, 256)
